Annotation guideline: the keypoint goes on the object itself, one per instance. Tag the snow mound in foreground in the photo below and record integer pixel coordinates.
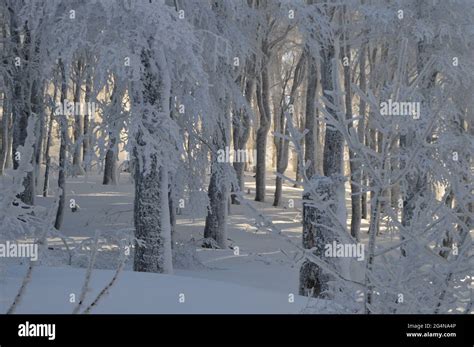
(51, 288)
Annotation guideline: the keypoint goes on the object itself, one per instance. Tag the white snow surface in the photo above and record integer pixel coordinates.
(50, 289)
(260, 279)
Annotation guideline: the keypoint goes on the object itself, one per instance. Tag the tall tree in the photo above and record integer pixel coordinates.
(62, 150)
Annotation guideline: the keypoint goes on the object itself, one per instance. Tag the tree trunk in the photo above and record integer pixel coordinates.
(110, 170)
(86, 141)
(371, 132)
(373, 230)
(62, 151)
(241, 134)
(151, 206)
(22, 106)
(47, 155)
(110, 167)
(394, 166)
(216, 220)
(77, 169)
(172, 208)
(283, 144)
(263, 102)
(386, 198)
(5, 134)
(310, 138)
(333, 141)
(313, 279)
(282, 163)
(362, 125)
(353, 164)
(36, 101)
(299, 174)
(152, 219)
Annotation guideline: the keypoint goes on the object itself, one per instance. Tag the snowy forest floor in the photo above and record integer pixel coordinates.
(266, 263)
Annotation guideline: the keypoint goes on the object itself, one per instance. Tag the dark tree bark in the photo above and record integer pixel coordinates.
(310, 137)
(172, 208)
(151, 206)
(362, 124)
(300, 120)
(22, 106)
(371, 132)
(86, 141)
(263, 102)
(282, 164)
(47, 155)
(150, 203)
(241, 131)
(216, 219)
(353, 164)
(219, 185)
(37, 108)
(77, 169)
(62, 152)
(313, 279)
(110, 167)
(333, 141)
(110, 170)
(6, 116)
(283, 144)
